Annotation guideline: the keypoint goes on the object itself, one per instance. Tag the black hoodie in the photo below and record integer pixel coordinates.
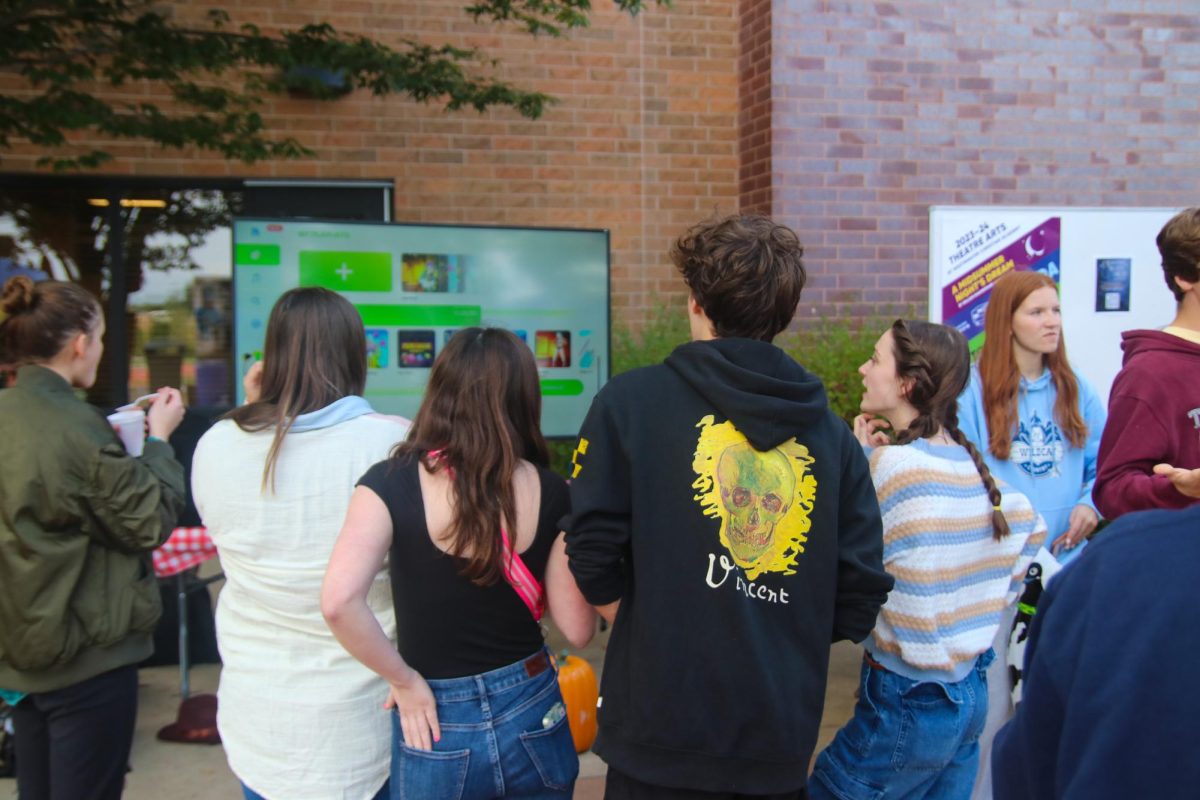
(733, 514)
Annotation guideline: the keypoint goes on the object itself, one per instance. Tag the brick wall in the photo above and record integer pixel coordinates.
(883, 109)
(845, 120)
(643, 142)
(755, 121)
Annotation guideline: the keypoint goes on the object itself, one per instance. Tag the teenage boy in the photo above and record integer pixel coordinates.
(1150, 451)
(725, 521)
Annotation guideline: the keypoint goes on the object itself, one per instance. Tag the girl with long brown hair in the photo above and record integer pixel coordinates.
(1038, 423)
(958, 546)
(298, 717)
(466, 514)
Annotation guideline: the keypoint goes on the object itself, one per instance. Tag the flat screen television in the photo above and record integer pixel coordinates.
(415, 286)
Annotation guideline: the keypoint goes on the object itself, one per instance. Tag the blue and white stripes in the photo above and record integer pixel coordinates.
(953, 579)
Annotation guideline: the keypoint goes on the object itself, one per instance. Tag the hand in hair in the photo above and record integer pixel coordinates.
(252, 382)
(1186, 481)
(868, 429)
(1082, 522)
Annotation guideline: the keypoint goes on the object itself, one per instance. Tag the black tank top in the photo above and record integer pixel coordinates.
(448, 627)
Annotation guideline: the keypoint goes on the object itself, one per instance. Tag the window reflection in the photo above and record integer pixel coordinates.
(56, 234)
(178, 250)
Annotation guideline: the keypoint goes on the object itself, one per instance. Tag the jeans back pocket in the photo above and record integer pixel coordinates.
(428, 774)
(931, 726)
(552, 751)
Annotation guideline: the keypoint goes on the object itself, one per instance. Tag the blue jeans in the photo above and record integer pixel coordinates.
(907, 739)
(504, 734)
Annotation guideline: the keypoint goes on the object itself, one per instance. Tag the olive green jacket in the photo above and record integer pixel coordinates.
(78, 517)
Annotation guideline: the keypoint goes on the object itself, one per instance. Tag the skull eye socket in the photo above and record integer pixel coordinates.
(772, 503)
(740, 497)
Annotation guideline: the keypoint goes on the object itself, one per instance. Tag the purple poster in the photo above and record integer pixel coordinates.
(964, 301)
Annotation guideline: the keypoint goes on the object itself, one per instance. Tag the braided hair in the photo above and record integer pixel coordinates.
(935, 361)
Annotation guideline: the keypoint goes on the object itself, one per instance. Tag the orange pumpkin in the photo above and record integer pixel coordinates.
(577, 682)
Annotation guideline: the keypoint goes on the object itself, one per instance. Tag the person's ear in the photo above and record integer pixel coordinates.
(79, 344)
(1184, 284)
(906, 385)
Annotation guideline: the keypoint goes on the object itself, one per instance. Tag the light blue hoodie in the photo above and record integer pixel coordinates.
(1043, 465)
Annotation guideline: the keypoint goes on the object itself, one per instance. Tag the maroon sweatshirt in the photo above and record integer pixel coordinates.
(1153, 418)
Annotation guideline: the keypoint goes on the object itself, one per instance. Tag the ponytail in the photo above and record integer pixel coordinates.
(937, 362)
(999, 523)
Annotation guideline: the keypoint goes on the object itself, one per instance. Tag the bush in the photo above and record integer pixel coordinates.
(832, 349)
(664, 330)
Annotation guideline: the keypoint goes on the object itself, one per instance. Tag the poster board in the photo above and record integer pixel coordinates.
(415, 286)
(1104, 259)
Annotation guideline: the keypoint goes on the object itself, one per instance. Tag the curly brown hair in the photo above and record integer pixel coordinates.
(1179, 245)
(745, 271)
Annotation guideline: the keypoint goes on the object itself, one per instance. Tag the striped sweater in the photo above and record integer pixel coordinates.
(953, 579)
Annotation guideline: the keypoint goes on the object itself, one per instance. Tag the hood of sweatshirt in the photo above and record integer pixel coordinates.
(1142, 342)
(754, 384)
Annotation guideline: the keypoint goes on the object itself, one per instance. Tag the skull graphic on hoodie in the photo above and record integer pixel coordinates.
(764, 499)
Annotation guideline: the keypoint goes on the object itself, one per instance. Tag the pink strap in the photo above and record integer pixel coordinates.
(515, 571)
(522, 580)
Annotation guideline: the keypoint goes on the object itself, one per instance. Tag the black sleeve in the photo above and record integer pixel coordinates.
(385, 479)
(862, 582)
(554, 506)
(375, 478)
(599, 525)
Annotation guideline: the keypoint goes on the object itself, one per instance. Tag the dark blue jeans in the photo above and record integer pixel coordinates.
(907, 739)
(504, 734)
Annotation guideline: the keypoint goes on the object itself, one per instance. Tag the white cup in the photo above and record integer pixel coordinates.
(131, 427)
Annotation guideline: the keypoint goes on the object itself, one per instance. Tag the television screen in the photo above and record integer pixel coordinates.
(415, 286)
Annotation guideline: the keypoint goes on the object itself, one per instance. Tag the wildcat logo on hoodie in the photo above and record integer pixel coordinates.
(764, 499)
(1038, 448)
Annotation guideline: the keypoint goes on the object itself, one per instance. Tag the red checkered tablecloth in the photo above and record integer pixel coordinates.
(186, 548)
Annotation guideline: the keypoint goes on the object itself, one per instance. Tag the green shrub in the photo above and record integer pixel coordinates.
(830, 348)
(665, 329)
(833, 350)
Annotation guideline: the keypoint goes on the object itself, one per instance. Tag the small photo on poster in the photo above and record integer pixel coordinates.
(552, 348)
(1113, 276)
(431, 273)
(416, 349)
(377, 348)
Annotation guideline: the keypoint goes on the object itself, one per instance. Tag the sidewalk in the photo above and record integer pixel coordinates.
(166, 771)
(171, 771)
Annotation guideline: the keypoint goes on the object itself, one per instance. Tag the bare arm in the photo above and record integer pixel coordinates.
(357, 557)
(570, 611)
